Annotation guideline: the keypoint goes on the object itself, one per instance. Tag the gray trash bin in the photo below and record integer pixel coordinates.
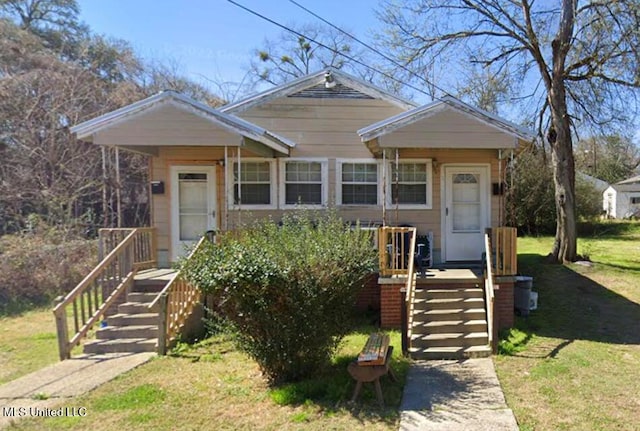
(522, 294)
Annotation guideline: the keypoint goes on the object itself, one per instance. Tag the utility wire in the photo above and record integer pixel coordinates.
(375, 50)
(251, 11)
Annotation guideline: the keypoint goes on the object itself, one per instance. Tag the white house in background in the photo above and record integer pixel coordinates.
(622, 200)
(597, 183)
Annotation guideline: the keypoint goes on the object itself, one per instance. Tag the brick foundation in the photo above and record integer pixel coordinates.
(504, 316)
(369, 296)
(390, 305)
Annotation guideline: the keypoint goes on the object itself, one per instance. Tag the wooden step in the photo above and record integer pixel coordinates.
(450, 352)
(454, 339)
(471, 292)
(148, 286)
(129, 345)
(147, 297)
(447, 303)
(133, 319)
(137, 308)
(448, 326)
(132, 331)
(449, 314)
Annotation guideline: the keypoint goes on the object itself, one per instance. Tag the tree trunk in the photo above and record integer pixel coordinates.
(565, 244)
(559, 136)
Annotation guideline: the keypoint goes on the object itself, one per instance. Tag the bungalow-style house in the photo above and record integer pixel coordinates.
(622, 200)
(331, 140)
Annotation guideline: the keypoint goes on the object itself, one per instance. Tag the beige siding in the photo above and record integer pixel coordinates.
(166, 126)
(448, 129)
(321, 127)
(161, 204)
(324, 128)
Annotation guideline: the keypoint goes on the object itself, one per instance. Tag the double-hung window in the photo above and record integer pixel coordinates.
(411, 184)
(303, 182)
(253, 183)
(357, 183)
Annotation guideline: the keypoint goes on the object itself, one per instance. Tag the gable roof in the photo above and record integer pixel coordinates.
(629, 185)
(448, 102)
(228, 122)
(313, 86)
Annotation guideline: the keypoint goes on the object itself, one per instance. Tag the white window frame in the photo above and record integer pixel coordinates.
(272, 186)
(324, 173)
(340, 162)
(391, 183)
(636, 198)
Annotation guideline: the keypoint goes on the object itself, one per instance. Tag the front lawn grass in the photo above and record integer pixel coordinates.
(211, 385)
(574, 364)
(27, 343)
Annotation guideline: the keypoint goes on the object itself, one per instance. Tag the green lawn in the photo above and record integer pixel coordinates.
(27, 343)
(213, 386)
(574, 364)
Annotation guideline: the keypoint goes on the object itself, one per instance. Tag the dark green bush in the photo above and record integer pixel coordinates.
(288, 290)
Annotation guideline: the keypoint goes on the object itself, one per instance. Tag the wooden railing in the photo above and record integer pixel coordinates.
(394, 250)
(489, 294)
(410, 287)
(177, 301)
(503, 241)
(87, 303)
(144, 244)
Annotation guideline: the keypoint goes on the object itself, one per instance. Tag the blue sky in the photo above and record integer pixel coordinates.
(213, 38)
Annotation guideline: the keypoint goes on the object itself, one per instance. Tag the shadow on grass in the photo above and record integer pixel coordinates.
(574, 307)
(332, 389)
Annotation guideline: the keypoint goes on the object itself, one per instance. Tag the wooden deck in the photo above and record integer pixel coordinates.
(440, 276)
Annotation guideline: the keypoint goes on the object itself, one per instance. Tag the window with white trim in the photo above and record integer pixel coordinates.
(303, 182)
(358, 183)
(252, 185)
(412, 185)
(635, 200)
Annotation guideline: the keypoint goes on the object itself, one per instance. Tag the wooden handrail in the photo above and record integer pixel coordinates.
(93, 296)
(488, 288)
(177, 300)
(504, 248)
(393, 251)
(410, 286)
(145, 244)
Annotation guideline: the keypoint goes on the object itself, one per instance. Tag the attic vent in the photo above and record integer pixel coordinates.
(338, 92)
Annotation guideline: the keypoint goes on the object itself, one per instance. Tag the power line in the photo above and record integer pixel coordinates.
(375, 50)
(297, 33)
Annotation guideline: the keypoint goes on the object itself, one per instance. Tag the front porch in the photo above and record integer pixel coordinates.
(446, 311)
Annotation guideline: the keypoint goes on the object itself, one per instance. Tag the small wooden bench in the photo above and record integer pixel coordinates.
(364, 372)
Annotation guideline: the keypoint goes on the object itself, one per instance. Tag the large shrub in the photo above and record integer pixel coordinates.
(288, 290)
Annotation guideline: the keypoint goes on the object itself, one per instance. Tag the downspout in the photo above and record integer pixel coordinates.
(501, 210)
(226, 189)
(511, 188)
(396, 185)
(239, 189)
(384, 187)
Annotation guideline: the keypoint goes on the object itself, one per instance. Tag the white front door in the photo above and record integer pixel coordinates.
(193, 205)
(466, 211)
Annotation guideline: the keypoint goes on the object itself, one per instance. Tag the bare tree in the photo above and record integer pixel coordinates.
(576, 62)
(611, 158)
(290, 56)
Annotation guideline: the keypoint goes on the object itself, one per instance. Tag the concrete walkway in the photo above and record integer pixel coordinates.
(454, 396)
(56, 384)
